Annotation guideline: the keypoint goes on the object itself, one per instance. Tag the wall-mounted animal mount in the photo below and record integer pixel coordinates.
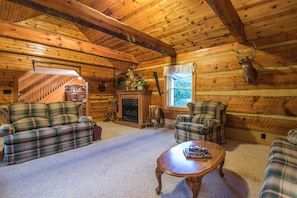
(102, 85)
(249, 73)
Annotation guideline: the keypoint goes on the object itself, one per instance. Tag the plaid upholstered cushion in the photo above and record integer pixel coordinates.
(283, 147)
(63, 113)
(204, 119)
(30, 154)
(275, 187)
(31, 145)
(31, 123)
(57, 108)
(280, 178)
(31, 135)
(24, 110)
(283, 167)
(75, 143)
(191, 127)
(205, 107)
(74, 128)
(63, 119)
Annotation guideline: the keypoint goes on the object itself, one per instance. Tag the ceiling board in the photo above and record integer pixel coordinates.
(185, 25)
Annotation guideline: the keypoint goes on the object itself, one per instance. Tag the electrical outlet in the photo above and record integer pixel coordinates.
(263, 136)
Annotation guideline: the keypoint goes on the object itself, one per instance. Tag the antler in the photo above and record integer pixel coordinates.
(254, 49)
(250, 54)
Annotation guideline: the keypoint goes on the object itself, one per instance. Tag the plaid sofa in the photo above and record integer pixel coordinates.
(280, 178)
(33, 130)
(205, 121)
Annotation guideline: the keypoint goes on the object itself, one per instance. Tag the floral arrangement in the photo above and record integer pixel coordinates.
(139, 81)
(134, 81)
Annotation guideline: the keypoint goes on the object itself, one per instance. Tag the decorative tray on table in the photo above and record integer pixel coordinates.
(196, 151)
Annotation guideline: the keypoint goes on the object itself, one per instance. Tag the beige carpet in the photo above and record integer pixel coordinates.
(110, 130)
(123, 163)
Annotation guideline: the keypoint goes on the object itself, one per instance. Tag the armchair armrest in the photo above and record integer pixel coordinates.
(4, 115)
(6, 129)
(183, 118)
(210, 122)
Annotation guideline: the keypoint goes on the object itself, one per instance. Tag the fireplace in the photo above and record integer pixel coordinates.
(130, 110)
(133, 107)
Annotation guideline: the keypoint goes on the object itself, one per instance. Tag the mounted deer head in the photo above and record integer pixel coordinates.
(249, 73)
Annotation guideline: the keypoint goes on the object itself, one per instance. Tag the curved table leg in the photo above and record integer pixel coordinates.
(194, 183)
(221, 168)
(158, 175)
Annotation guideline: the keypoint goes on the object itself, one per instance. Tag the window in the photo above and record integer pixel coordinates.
(179, 91)
(179, 85)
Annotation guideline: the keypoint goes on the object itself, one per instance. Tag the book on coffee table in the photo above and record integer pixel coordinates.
(190, 153)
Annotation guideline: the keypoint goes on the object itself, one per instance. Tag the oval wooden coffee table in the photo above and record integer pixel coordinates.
(174, 162)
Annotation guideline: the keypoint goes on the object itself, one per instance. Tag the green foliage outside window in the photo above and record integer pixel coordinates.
(182, 89)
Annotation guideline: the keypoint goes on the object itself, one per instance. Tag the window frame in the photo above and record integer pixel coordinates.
(168, 81)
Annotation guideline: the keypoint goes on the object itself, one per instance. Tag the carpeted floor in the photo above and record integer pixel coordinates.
(123, 165)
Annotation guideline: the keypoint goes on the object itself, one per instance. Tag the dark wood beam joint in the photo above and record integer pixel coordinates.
(55, 40)
(132, 35)
(228, 15)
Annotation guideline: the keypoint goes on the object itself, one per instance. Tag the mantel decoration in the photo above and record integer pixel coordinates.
(134, 81)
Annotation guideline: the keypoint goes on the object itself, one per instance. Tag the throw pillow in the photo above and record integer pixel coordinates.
(201, 118)
(85, 119)
(292, 136)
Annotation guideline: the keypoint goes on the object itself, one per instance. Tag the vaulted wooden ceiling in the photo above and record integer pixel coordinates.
(149, 29)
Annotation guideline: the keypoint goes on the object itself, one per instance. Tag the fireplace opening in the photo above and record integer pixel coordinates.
(130, 110)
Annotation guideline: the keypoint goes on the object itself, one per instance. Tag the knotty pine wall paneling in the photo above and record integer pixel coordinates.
(98, 101)
(16, 59)
(7, 89)
(267, 106)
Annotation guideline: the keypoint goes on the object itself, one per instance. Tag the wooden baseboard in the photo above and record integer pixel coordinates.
(251, 136)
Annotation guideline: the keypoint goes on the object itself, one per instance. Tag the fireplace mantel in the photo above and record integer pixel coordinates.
(144, 99)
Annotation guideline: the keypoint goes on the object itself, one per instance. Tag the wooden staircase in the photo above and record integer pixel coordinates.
(36, 87)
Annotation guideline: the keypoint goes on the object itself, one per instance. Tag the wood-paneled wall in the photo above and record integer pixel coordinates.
(7, 89)
(16, 58)
(98, 101)
(268, 106)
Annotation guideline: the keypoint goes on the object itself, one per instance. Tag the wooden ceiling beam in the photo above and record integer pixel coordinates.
(33, 35)
(80, 13)
(228, 15)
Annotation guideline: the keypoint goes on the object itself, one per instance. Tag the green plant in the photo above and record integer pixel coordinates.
(139, 81)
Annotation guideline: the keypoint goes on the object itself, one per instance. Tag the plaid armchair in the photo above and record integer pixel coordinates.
(205, 121)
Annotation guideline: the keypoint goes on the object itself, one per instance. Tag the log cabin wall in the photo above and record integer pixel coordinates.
(56, 43)
(8, 87)
(17, 54)
(268, 106)
(99, 39)
(97, 101)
